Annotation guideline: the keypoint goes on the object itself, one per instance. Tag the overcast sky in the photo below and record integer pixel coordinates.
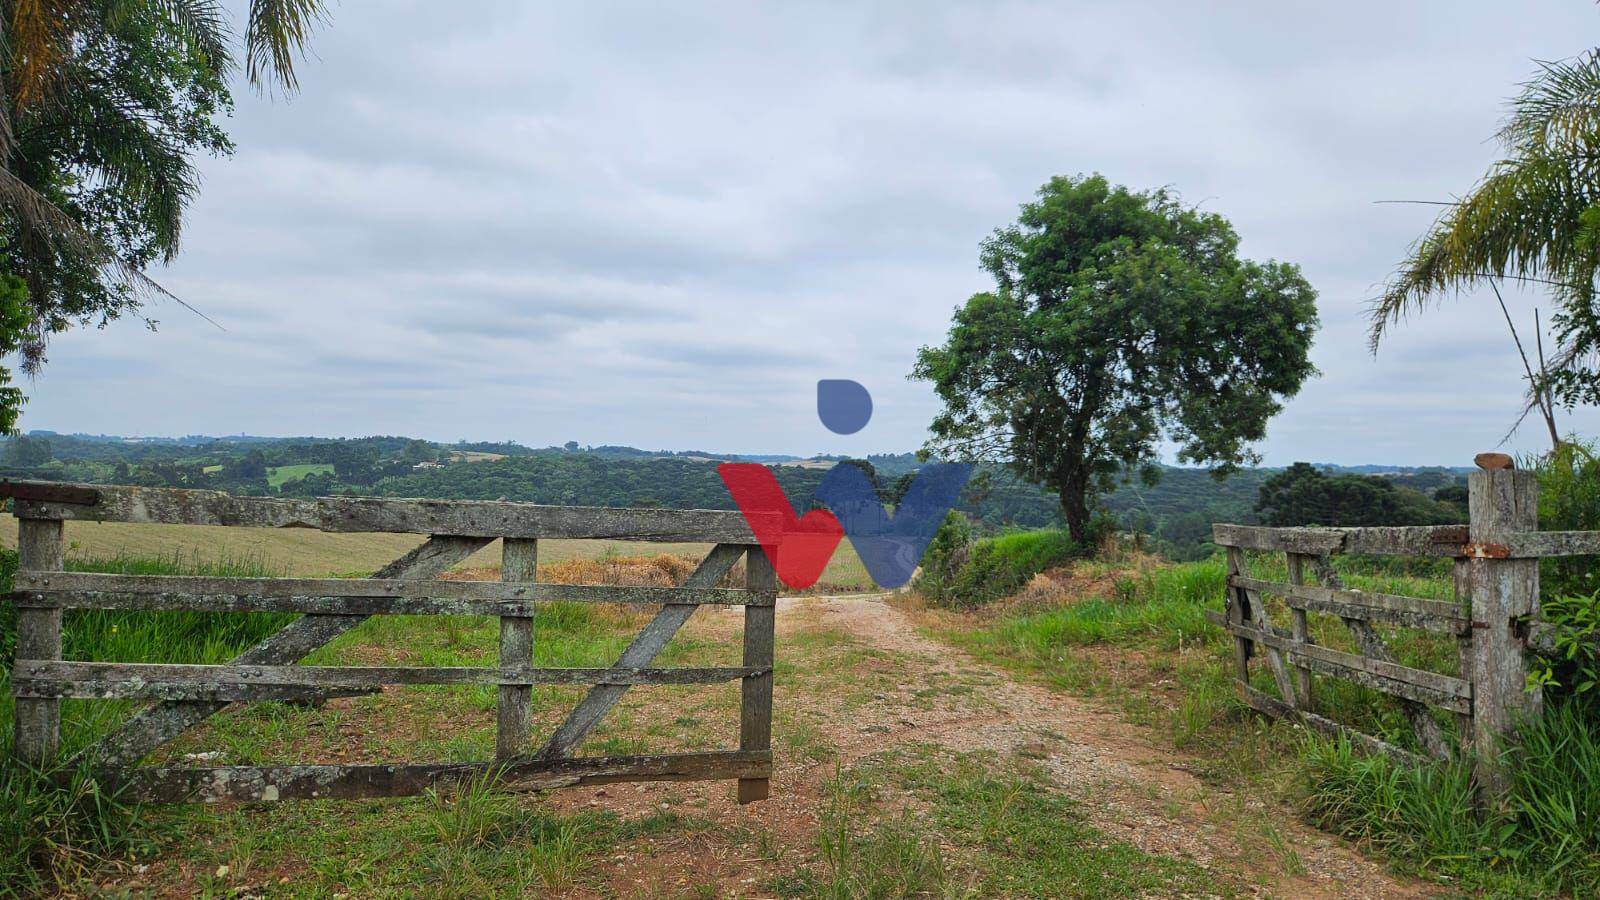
(660, 224)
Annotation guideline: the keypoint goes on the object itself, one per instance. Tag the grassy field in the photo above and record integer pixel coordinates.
(277, 475)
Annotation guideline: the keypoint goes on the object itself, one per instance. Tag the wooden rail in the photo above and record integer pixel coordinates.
(1412, 612)
(461, 518)
(184, 695)
(340, 596)
(255, 784)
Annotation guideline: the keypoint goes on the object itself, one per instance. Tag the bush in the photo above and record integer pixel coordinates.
(1571, 664)
(1569, 500)
(945, 555)
(958, 572)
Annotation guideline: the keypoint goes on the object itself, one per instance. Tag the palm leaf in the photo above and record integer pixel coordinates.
(275, 34)
(1526, 220)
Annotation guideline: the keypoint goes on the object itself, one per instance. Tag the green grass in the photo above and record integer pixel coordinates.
(1542, 842)
(52, 837)
(277, 475)
(1161, 611)
(51, 834)
(474, 841)
(975, 825)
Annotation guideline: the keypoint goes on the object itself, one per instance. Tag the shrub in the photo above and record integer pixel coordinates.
(991, 568)
(1569, 500)
(945, 555)
(1571, 664)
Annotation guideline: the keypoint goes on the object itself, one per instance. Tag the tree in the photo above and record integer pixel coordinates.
(1118, 319)
(1533, 218)
(26, 452)
(252, 465)
(106, 103)
(1453, 494)
(1305, 495)
(417, 450)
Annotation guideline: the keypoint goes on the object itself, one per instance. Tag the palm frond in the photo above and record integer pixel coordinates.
(44, 225)
(1523, 221)
(1535, 217)
(1559, 108)
(144, 165)
(275, 34)
(39, 42)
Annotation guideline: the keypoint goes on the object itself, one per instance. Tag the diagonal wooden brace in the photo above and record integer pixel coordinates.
(1371, 644)
(1258, 616)
(649, 642)
(159, 723)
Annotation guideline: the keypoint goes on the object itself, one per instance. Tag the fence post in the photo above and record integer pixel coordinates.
(755, 701)
(1301, 628)
(519, 561)
(38, 721)
(1502, 501)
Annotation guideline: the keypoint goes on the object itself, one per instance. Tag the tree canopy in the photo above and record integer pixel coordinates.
(1305, 495)
(1119, 319)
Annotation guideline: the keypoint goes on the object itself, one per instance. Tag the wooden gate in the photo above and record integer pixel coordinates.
(182, 696)
(1494, 619)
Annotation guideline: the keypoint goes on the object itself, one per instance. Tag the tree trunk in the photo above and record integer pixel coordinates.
(1075, 509)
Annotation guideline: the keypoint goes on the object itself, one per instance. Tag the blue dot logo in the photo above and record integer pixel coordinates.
(844, 406)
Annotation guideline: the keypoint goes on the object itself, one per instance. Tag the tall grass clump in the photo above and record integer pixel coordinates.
(1545, 836)
(962, 572)
(893, 857)
(56, 821)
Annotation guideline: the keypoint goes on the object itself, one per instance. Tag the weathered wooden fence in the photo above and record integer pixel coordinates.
(184, 695)
(1496, 577)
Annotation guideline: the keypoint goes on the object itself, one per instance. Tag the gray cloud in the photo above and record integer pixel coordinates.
(660, 225)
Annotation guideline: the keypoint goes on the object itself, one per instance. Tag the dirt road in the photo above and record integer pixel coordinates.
(861, 680)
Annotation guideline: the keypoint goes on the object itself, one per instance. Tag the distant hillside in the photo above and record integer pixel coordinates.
(1177, 512)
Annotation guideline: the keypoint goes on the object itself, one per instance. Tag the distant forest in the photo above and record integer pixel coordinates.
(1176, 513)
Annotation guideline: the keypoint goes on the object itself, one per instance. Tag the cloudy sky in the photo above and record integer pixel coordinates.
(660, 224)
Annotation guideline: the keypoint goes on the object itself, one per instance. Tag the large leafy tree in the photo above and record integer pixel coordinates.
(1533, 218)
(1118, 319)
(105, 104)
